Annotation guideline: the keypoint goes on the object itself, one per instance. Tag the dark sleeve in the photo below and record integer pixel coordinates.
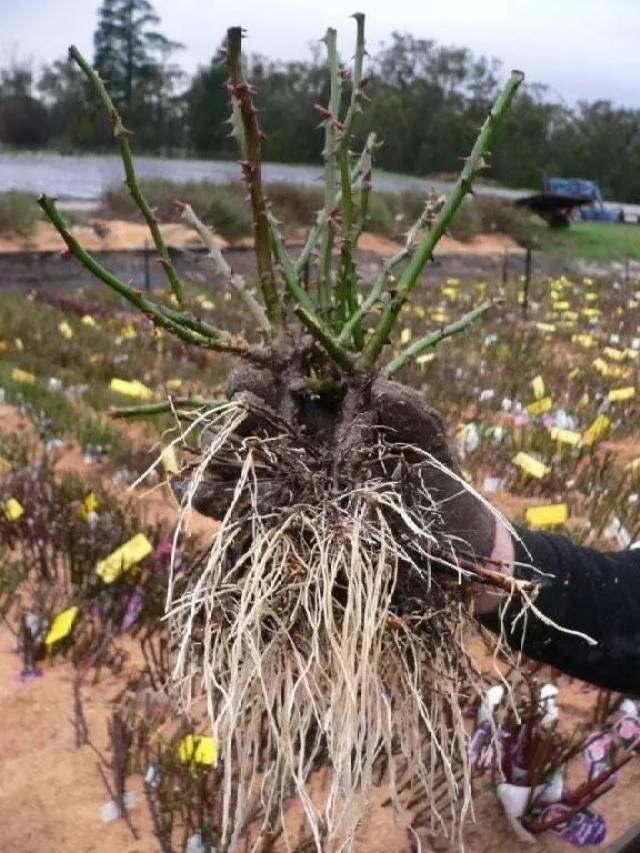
(594, 592)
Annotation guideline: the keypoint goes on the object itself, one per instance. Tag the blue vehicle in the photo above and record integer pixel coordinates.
(592, 207)
(562, 198)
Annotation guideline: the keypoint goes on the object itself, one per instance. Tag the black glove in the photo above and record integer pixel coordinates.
(408, 419)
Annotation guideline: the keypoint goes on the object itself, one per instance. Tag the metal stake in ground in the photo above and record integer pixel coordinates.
(527, 281)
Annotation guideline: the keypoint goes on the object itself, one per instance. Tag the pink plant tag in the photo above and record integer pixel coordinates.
(597, 753)
(586, 827)
(627, 730)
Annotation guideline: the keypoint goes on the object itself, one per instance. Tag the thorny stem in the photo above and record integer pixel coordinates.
(346, 295)
(334, 350)
(161, 408)
(365, 187)
(121, 135)
(473, 163)
(377, 288)
(291, 279)
(347, 278)
(331, 119)
(433, 339)
(321, 219)
(222, 267)
(240, 92)
(188, 330)
(346, 290)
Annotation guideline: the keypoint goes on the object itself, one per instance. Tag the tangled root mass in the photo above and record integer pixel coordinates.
(324, 627)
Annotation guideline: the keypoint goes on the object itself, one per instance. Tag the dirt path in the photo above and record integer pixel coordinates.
(117, 235)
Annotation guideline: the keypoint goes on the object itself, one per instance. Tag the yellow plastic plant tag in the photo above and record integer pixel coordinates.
(634, 465)
(132, 388)
(199, 748)
(584, 340)
(208, 305)
(65, 330)
(405, 336)
(596, 431)
(537, 383)
(419, 311)
(545, 327)
(614, 354)
(18, 344)
(123, 558)
(619, 372)
(530, 465)
(562, 305)
(90, 503)
(591, 312)
(601, 366)
(22, 376)
(440, 317)
(128, 333)
(546, 516)
(450, 293)
(13, 509)
(173, 384)
(540, 406)
(169, 460)
(566, 436)
(617, 395)
(88, 320)
(61, 626)
(423, 360)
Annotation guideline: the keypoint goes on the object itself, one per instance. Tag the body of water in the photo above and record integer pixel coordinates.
(83, 178)
(79, 180)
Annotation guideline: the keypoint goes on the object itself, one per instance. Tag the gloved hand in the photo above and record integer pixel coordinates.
(408, 419)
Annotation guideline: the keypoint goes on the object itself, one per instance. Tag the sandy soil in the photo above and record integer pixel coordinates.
(102, 235)
(483, 244)
(51, 792)
(118, 235)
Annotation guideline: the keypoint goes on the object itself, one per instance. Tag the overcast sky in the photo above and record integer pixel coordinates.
(579, 48)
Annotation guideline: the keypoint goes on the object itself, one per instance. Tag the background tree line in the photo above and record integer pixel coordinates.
(426, 102)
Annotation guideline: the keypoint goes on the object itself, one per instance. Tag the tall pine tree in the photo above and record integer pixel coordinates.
(133, 59)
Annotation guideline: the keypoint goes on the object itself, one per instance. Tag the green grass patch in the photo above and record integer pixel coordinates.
(595, 241)
(222, 206)
(55, 415)
(19, 213)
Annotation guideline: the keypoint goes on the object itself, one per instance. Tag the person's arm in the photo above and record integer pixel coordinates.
(595, 593)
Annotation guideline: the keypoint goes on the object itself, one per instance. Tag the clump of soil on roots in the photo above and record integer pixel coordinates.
(325, 625)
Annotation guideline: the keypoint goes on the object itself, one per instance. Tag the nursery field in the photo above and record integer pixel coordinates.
(544, 412)
(249, 575)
